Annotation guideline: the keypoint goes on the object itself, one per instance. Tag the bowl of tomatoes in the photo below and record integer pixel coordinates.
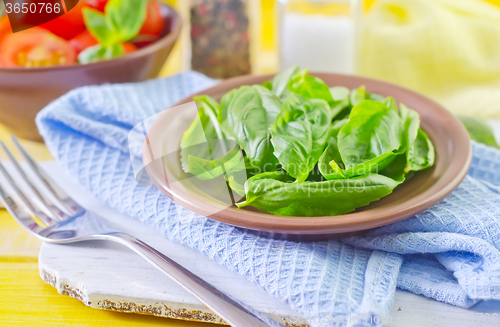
(96, 42)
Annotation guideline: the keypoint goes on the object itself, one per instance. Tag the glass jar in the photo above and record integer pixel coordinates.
(220, 37)
(320, 35)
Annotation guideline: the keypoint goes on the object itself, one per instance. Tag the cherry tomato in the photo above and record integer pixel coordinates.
(68, 25)
(154, 23)
(82, 41)
(36, 47)
(97, 4)
(5, 28)
(129, 47)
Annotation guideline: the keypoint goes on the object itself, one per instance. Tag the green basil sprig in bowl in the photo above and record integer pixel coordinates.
(307, 149)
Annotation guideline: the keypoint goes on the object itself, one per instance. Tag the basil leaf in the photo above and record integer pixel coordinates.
(373, 129)
(121, 21)
(340, 93)
(374, 165)
(331, 166)
(126, 17)
(236, 185)
(331, 152)
(99, 27)
(247, 115)
(360, 94)
(342, 107)
(210, 169)
(479, 130)
(416, 151)
(224, 105)
(99, 52)
(278, 85)
(397, 169)
(300, 134)
(410, 124)
(198, 138)
(310, 87)
(421, 155)
(417, 145)
(315, 198)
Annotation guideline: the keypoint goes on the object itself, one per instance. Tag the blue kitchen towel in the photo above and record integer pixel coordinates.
(450, 252)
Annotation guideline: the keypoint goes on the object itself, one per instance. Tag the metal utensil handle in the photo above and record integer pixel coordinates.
(231, 310)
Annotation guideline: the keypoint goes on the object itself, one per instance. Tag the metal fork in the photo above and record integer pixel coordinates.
(67, 222)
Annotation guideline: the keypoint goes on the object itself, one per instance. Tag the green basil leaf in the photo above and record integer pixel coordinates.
(310, 87)
(342, 105)
(310, 199)
(198, 139)
(397, 169)
(340, 93)
(99, 27)
(417, 145)
(236, 185)
(209, 169)
(99, 52)
(421, 154)
(268, 85)
(224, 104)
(373, 129)
(247, 115)
(278, 85)
(374, 165)
(410, 120)
(377, 97)
(126, 17)
(277, 175)
(479, 130)
(360, 94)
(300, 133)
(390, 103)
(331, 152)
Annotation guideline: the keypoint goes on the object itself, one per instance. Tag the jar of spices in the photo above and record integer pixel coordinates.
(320, 35)
(220, 42)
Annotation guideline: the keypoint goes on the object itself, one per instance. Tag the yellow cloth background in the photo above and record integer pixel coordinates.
(446, 49)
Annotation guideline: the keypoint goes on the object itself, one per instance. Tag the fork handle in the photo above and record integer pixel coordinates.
(231, 310)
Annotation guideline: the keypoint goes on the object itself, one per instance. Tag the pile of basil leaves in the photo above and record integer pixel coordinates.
(308, 150)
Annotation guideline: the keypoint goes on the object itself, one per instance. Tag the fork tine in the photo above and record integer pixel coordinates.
(33, 211)
(18, 213)
(69, 206)
(49, 209)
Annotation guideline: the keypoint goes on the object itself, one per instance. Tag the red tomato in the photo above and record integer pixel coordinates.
(5, 25)
(97, 4)
(68, 25)
(36, 47)
(129, 47)
(154, 23)
(82, 41)
(5, 30)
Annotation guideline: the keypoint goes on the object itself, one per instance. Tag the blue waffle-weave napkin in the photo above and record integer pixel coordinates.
(450, 252)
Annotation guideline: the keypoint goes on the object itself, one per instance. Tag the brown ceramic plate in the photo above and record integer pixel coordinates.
(426, 188)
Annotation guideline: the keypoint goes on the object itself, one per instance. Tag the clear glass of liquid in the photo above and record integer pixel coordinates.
(320, 35)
